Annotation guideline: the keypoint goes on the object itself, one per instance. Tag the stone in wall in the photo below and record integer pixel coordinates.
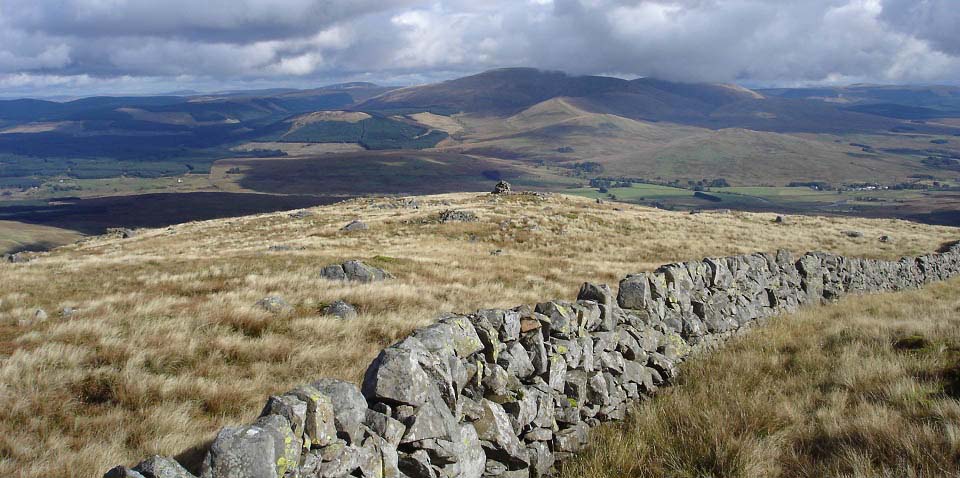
(508, 393)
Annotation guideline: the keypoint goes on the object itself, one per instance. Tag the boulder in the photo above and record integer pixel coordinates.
(355, 225)
(341, 309)
(355, 271)
(452, 215)
(162, 467)
(275, 305)
(397, 378)
(40, 315)
(266, 449)
(333, 272)
(502, 187)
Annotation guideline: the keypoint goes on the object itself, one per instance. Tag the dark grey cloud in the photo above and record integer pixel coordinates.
(937, 21)
(86, 45)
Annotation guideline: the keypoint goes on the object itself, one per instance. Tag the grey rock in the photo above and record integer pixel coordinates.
(396, 377)
(275, 305)
(557, 373)
(289, 407)
(355, 225)
(121, 232)
(255, 451)
(472, 459)
(502, 187)
(355, 271)
(516, 361)
(333, 272)
(571, 439)
(853, 233)
(603, 296)
(122, 472)
(541, 458)
(301, 214)
(162, 467)
(384, 426)
(40, 315)
(337, 460)
(341, 309)
(319, 421)
(634, 292)
(497, 435)
(430, 420)
(417, 465)
(349, 407)
(360, 272)
(452, 215)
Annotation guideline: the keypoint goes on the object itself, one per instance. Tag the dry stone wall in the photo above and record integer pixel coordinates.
(508, 393)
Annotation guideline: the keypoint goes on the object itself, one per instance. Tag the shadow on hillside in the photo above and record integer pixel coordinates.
(38, 246)
(95, 215)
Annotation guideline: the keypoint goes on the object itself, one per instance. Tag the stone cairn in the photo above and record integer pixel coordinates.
(507, 393)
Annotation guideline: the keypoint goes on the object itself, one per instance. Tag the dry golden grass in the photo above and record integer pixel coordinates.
(865, 388)
(168, 346)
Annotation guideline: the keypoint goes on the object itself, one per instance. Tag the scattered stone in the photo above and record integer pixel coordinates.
(121, 232)
(354, 270)
(280, 248)
(506, 393)
(341, 309)
(453, 215)
(275, 305)
(302, 214)
(501, 188)
(886, 239)
(853, 233)
(497, 252)
(355, 225)
(780, 220)
(17, 258)
(69, 312)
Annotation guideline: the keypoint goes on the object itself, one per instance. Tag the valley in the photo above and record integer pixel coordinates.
(543, 131)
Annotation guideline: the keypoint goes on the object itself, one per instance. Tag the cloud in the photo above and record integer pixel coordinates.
(304, 42)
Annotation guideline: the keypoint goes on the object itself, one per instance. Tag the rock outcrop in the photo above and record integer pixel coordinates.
(355, 271)
(506, 393)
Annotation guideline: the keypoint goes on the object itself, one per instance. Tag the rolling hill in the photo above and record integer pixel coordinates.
(545, 130)
(168, 345)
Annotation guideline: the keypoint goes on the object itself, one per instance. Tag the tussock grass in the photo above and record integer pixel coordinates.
(864, 388)
(167, 346)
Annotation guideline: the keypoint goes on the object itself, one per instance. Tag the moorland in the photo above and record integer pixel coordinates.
(877, 151)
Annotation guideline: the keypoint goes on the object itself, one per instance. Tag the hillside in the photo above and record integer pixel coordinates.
(178, 348)
(548, 131)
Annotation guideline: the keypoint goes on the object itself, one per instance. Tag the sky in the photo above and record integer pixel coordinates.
(84, 47)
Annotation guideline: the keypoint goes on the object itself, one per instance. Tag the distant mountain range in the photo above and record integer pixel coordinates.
(644, 127)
